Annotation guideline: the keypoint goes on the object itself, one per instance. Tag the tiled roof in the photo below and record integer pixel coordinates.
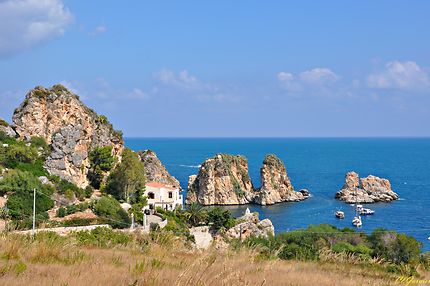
(159, 185)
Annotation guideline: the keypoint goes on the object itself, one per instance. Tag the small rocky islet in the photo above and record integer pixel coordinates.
(367, 190)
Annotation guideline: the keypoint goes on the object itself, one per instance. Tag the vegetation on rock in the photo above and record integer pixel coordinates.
(101, 161)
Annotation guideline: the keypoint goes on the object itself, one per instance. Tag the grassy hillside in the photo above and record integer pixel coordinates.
(105, 257)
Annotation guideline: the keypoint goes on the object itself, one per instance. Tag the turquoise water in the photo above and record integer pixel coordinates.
(320, 166)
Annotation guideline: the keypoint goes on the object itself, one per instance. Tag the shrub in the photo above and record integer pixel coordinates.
(20, 203)
(61, 212)
(103, 237)
(395, 247)
(3, 123)
(219, 218)
(39, 142)
(110, 210)
(88, 191)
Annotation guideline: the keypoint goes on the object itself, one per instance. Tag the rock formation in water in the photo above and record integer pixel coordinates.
(155, 170)
(276, 186)
(371, 189)
(222, 180)
(6, 128)
(69, 127)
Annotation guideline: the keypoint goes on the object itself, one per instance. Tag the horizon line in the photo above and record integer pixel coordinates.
(277, 137)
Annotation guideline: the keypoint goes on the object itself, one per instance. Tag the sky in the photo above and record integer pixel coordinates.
(227, 68)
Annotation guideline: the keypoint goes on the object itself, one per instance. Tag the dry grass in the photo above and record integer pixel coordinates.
(162, 261)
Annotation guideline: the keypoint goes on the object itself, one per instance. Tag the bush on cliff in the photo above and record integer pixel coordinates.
(127, 180)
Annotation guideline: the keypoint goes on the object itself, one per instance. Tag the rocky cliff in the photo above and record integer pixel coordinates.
(371, 189)
(222, 180)
(276, 186)
(71, 128)
(6, 129)
(155, 170)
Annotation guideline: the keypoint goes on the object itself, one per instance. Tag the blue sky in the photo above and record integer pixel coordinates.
(227, 68)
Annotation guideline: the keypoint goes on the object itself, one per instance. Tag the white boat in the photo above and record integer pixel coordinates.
(363, 211)
(357, 221)
(339, 214)
(367, 212)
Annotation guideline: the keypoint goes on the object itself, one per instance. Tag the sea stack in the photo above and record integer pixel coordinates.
(155, 171)
(69, 127)
(222, 180)
(371, 189)
(276, 186)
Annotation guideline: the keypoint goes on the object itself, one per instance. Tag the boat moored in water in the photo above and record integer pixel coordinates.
(357, 221)
(364, 211)
(339, 214)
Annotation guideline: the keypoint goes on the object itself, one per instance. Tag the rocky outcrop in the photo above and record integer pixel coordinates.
(276, 186)
(371, 189)
(222, 180)
(6, 128)
(155, 170)
(250, 225)
(71, 128)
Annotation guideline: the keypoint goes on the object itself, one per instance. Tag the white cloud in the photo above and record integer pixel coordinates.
(400, 75)
(27, 23)
(182, 80)
(318, 76)
(184, 83)
(138, 93)
(311, 81)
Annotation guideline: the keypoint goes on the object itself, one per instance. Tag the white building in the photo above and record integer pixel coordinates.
(162, 195)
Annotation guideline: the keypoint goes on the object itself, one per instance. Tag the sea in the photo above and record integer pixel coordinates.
(319, 165)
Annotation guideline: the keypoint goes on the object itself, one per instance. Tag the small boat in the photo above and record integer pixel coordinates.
(365, 211)
(357, 221)
(339, 214)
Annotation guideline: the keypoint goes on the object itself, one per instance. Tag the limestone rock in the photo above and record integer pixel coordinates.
(6, 128)
(155, 170)
(371, 189)
(69, 127)
(276, 186)
(250, 225)
(222, 180)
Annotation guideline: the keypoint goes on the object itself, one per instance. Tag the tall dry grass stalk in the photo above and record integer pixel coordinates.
(164, 261)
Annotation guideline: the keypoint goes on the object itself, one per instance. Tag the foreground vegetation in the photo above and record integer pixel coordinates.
(107, 257)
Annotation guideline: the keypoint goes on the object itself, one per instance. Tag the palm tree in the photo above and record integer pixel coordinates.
(195, 214)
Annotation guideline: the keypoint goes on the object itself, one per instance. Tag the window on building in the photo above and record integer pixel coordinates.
(170, 195)
(151, 196)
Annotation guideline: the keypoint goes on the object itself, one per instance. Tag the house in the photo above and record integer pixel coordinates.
(162, 195)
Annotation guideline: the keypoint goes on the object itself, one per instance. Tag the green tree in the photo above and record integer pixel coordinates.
(101, 160)
(20, 186)
(195, 214)
(219, 218)
(127, 180)
(109, 209)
